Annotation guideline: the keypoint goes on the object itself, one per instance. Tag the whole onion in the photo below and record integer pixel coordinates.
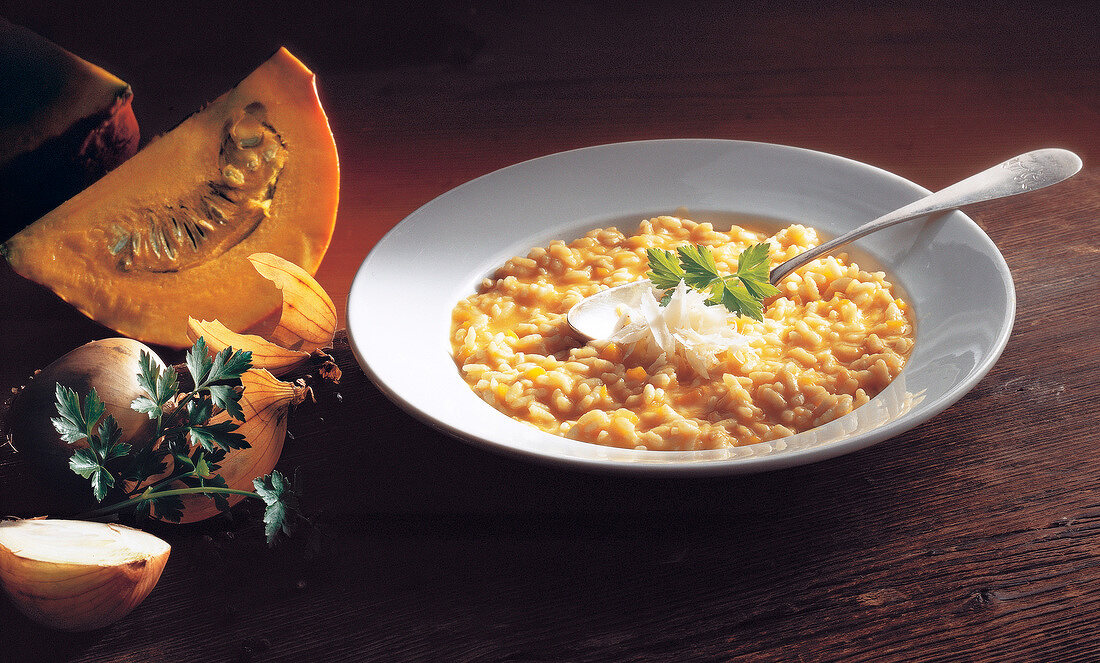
(111, 367)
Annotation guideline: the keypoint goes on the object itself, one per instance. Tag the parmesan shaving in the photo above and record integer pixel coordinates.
(686, 327)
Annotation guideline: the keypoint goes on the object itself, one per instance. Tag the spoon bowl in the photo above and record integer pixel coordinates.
(596, 316)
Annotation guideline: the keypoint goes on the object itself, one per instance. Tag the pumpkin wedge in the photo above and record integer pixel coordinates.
(167, 234)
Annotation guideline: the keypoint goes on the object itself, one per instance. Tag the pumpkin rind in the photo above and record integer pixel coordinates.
(69, 249)
(64, 123)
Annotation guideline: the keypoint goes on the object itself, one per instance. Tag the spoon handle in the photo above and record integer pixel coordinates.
(1027, 172)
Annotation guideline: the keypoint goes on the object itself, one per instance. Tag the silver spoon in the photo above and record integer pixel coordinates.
(595, 317)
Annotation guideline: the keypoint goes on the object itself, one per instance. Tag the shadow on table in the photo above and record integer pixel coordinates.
(27, 641)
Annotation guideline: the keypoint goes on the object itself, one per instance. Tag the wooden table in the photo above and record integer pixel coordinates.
(972, 537)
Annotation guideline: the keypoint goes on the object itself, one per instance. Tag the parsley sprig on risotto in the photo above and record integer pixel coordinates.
(742, 293)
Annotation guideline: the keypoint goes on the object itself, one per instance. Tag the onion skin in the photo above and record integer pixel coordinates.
(265, 354)
(111, 366)
(79, 595)
(308, 319)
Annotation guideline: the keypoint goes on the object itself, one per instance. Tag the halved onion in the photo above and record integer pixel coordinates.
(75, 575)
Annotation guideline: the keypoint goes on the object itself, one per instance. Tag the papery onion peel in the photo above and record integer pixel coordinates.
(308, 319)
(265, 354)
(307, 322)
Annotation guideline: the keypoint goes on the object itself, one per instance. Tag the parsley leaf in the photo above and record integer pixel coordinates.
(221, 434)
(281, 501)
(160, 385)
(77, 423)
(665, 271)
(742, 292)
(219, 376)
(168, 507)
(147, 462)
(698, 264)
(737, 298)
(106, 443)
(233, 364)
(70, 425)
(84, 463)
(753, 270)
(228, 399)
(198, 361)
(198, 412)
(93, 410)
(211, 437)
(226, 366)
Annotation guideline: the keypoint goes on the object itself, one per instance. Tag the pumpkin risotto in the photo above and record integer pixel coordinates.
(832, 339)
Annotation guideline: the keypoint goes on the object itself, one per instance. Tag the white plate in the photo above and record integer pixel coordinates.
(399, 307)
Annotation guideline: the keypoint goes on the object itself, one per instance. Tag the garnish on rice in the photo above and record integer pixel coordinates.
(743, 292)
(686, 327)
(696, 317)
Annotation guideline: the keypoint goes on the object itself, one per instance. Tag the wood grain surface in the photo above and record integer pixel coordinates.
(973, 537)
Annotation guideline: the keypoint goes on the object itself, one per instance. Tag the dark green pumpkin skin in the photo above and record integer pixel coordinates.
(53, 148)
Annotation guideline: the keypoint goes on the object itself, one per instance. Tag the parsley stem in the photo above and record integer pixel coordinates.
(164, 482)
(203, 490)
(158, 431)
(173, 429)
(181, 405)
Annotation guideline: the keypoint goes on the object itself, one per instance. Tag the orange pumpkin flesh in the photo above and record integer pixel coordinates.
(167, 234)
